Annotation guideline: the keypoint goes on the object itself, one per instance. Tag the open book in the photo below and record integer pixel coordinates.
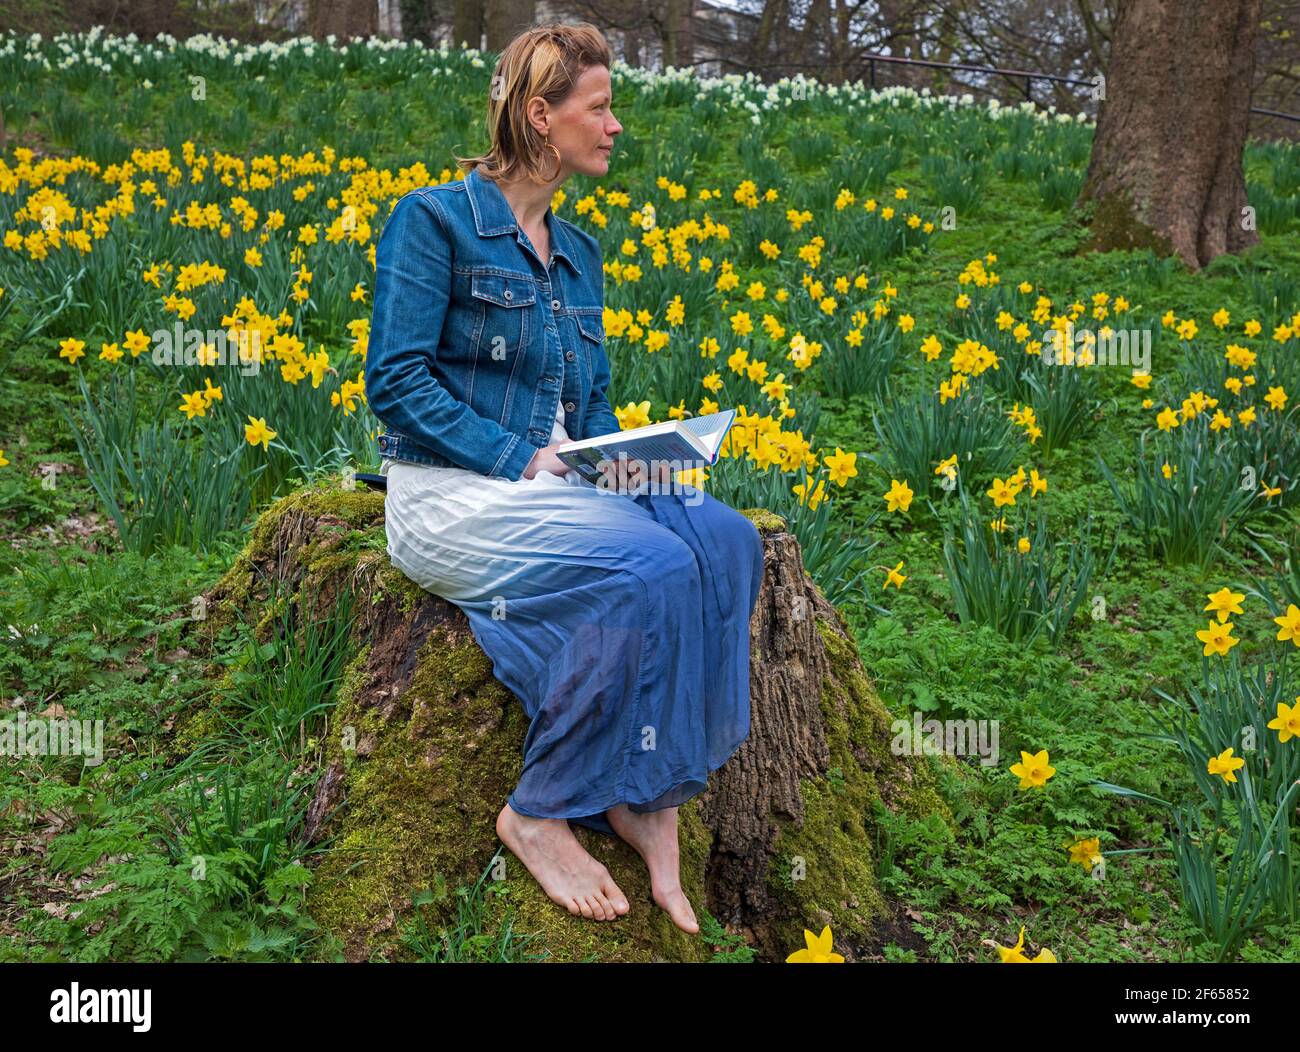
(690, 443)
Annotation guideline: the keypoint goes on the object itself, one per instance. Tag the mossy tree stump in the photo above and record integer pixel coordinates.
(424, 745)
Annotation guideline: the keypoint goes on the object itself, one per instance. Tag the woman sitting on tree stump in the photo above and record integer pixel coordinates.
(619, 617)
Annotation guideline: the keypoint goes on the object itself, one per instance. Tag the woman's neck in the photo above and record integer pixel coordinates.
(528, 200)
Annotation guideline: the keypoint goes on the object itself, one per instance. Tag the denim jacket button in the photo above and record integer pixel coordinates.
(555, 304)
(569, 356)
(569, 407)
(509, 295)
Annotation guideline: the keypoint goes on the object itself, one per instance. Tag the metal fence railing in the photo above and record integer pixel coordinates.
(1013, 75)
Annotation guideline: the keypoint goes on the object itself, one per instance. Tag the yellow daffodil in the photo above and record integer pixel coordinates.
(1033, 771)
(812, 499)
(1286, 722)
(136, 342)
(818, 949)
(1217, 637)
(1225, 764)
(841, 466)
(1225, 602)
(1289, 625)
(256, 433)
(1086, 853)
(896, 579)
(1015, 954)
(899, 497)
(194, 405)
(1002, 493)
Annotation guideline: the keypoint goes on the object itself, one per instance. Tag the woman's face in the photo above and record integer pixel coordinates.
(583, 125)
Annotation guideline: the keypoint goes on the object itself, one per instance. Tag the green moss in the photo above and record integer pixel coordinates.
(824, 870)
(193, 727)
(395, 583)
(358, 509)
(765, 521)
(1115, 224)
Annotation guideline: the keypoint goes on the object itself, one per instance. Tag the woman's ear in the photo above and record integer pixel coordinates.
(537, 115)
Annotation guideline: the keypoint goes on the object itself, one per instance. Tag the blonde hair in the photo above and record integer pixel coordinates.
(546, 61)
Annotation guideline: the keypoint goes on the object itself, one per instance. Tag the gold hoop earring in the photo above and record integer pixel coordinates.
(559, 162)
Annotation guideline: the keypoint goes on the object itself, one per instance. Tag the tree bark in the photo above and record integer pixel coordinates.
(782, 839)
(506, 19)
(346, 19)
(467, 23)
(1166, 167)
(679, 37)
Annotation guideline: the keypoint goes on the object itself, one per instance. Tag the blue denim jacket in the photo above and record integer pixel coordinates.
(474, 340)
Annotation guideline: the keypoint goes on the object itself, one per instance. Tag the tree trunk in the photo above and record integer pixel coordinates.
(814, 42)
(419, 21)
(1166, 169)
(771, 27)
(632, 47)
(467, 23)
(782, 839)
(506, 19)
(346, 19)
(679, 35)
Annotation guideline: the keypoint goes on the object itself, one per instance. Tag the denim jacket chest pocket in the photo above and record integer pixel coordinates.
(589, 335)
(500, 323)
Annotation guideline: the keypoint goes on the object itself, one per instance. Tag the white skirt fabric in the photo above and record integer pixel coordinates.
(446, 524)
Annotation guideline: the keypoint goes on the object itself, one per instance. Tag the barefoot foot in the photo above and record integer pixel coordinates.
(654, 835)
(566, 872)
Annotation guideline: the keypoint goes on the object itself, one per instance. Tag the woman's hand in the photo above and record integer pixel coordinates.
(624, 473)
(546, 460)
(621, 475)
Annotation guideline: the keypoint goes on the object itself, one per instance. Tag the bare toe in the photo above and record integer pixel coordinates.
(615, 895)
(675, 903)
(561, 865)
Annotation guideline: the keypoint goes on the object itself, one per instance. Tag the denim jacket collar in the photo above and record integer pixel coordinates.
(493, 215)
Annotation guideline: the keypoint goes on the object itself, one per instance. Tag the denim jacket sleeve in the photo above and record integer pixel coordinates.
(412, 288)
(600, 418)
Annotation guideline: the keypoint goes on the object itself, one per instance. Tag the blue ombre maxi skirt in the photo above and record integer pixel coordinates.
(620, 622)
